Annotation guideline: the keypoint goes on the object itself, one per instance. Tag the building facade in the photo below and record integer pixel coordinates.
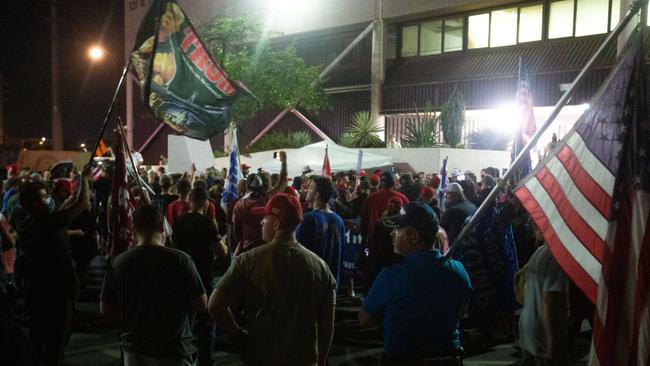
(417, 54)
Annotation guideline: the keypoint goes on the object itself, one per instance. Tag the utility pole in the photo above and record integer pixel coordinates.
(57, 121)
(377, 67)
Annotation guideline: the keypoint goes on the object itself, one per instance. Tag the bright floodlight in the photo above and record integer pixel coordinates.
(96, 53)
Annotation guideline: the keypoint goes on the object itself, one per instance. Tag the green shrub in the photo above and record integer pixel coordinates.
(362, 132)
(452, 118)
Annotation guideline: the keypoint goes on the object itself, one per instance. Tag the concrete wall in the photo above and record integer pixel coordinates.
(424, 159)
(430, 159)
(297, 16)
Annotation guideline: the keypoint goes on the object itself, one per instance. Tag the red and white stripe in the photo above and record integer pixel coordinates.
(569, 200)
(622, 321)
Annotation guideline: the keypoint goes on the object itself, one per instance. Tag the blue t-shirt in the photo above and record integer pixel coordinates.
(422, 301)
(324, 234)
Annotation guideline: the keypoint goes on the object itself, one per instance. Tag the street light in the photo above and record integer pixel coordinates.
(96, 53)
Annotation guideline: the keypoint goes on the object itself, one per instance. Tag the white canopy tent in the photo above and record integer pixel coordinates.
(341, 159)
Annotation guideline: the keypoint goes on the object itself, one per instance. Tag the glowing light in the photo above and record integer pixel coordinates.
(43, 139)
(96, 53)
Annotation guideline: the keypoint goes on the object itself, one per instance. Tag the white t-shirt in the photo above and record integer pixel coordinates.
(544, 275)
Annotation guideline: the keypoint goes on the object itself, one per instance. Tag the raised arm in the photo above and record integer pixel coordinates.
(282, 181)
(82, 200)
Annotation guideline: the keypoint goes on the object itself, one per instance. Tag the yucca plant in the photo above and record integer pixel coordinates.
(362, 132)
(299, 139)
(422, 131)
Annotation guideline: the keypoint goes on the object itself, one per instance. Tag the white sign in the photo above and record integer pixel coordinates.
(183, 151)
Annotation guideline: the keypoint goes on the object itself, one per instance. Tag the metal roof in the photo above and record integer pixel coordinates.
(542, 57)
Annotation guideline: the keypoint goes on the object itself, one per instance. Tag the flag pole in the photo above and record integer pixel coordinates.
(107, 118)
(122, 134)
(634, 8)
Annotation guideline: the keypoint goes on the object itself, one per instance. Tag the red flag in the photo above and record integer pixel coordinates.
(327, 171)
(591, 201)
(120, 229)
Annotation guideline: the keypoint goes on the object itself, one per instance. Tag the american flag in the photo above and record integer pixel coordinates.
(526, 126)
(591, 198)
(234, 174)
(327, 170)
(120, 229)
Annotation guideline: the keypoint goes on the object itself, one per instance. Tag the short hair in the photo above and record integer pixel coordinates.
(147, 220)
(30, 194)
(165, 181)
(406, 178)
(324, 188)
(198, 195)
(183, 187)
(468, 187)
(200, 183)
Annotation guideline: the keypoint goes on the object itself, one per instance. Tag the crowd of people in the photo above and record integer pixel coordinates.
(264, 268)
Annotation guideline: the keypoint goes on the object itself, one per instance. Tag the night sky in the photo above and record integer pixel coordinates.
(85, 88)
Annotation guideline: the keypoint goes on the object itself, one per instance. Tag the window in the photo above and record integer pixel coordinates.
(591, 17)
(616, 14)
(503, 27)
(478, 31)
(409, 41)
(454, 34)
(431, 38)
(530, 23)
(560, 22)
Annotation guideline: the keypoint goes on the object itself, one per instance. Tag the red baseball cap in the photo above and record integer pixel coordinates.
(427, 193)
(245, 166)
(286, 207)
(374, 180)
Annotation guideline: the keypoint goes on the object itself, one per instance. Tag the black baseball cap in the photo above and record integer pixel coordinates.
(417, 215)
(387, 178)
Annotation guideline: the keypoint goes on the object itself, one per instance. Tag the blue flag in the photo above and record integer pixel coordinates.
(443, 185)
(490, 258)
(234, 174)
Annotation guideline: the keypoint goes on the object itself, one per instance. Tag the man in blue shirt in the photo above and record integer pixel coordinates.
(322, 231)
(421, 300)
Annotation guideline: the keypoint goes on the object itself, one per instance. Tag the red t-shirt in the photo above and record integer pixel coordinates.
(247, 227)
(178, 208)
(375, 205)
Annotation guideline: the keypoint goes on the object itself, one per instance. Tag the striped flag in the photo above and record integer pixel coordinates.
(526, 126)
(327, 170)
(234, 174)
(591, 198)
